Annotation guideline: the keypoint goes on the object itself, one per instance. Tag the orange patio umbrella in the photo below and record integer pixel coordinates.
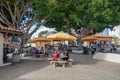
(40, 39)
(89, 39)
(104, 40)
(100, 35)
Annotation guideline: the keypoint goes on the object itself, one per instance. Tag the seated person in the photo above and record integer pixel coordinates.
(56, 56)
(42, 50)
(66, 54)
(35, 51)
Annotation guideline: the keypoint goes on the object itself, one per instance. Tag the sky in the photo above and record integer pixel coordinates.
(42, 28)
(106, 31)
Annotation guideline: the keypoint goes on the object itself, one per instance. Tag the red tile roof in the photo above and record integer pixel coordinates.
(11, 29)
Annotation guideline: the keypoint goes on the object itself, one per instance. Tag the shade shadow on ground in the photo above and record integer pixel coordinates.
(84, 68)
(25, 66)
(84, 59)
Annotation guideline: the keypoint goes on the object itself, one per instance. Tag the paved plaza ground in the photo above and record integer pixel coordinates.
(84, 68)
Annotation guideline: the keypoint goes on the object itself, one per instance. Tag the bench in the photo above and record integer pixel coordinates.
(63, 63)
(38, 55)
(50, 59)
(54, 63)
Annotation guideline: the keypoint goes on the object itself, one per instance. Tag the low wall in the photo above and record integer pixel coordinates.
(108, 57)
(76, 51)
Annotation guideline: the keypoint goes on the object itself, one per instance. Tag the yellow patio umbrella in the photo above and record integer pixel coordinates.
(61, 36)
(89, 39)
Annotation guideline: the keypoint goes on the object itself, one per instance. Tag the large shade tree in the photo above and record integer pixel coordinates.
(85, 13)
(23, 14)
(45, 33)
(83, 16)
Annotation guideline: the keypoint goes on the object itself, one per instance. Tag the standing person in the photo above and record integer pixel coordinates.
(66, 54)
(65, 47)
(5, 51)
(56, 55)
(111, 48)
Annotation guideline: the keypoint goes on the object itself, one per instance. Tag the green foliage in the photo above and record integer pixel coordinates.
(10, 1)
(76, 13)
(115, 39)
(85, 13)
(70, 14)
(43, 33)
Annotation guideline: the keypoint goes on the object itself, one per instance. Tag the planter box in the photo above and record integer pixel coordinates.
(76, 51)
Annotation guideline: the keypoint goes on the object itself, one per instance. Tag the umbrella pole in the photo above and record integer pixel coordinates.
(44, 48)
(53, 45)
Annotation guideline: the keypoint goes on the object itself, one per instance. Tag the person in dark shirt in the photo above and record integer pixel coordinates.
(5, 52)
(66, 54)
(6, 49)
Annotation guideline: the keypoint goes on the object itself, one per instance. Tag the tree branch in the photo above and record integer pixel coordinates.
(4, 22)
(46, 18)
(24, 10)
(2, 17)
(11, 13)
(87, 31)
(3, 4)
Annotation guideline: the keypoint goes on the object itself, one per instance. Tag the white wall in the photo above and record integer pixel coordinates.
(108, 57)
(115, 31)
(1, 49)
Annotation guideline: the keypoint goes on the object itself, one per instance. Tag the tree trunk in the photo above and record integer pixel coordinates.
(79, 42)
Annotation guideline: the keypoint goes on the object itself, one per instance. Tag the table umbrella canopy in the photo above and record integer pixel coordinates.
(89, 39)
(104, 40)
(61, 36)
(40, 39)
(100, 35)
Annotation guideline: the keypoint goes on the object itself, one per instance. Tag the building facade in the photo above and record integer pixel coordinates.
(115, 31)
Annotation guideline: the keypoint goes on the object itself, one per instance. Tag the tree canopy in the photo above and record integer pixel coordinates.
(87, 15)
(23, 14)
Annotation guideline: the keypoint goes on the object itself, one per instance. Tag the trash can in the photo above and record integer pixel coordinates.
(15, 58)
